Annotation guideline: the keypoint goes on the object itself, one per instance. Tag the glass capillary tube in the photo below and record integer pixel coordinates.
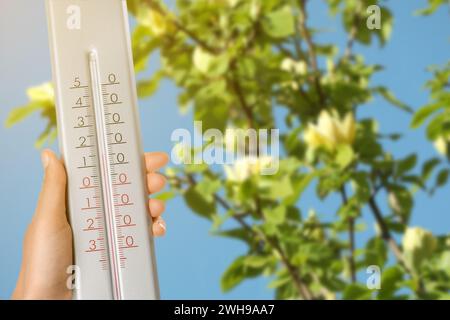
(105, 172)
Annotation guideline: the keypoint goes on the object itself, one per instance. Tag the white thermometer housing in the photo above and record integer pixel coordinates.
(100, 140)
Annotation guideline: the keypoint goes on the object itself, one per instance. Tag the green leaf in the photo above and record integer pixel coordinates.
(387, 22)
(233, 275)
(334, 6)
(401, 202)
(356, 291)
(406, 164)
(281, 188)
(360, 183)
(237, 233)
(433, 5)
(299, 184)
(345, 156)
(165, 196)
(389, 97)
(423, 113)
(49, 135)
(18, 114)
(198, 203)
(212, 112)
(428, 168)
(207, 187)
(437, 126)
(133, 6)
(219, 65)
(376, 252)
(391, 279)
(280, 23)
(441, 178)
(275, 215)
(143, 45)
(243, 267)
(257, 261)
(146, 88)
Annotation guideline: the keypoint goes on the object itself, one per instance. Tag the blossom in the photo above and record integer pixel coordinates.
(202, 59)
(155, 21)
(43, 93)
(244, 168)
(330, 131)
(159, 23)
(297, 67)
(181, 153)
(418, 245)
(236, 139)
(441, 145)
(416, 238)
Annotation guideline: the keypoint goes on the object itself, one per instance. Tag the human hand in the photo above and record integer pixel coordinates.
(47, 247)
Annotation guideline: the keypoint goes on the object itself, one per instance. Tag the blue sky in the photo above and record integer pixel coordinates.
(190, 260)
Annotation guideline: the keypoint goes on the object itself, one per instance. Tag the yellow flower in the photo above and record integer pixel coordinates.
(233, 3)
(202, 59)
(43, 93)
(182, 153)
(246, 167)
(255, 9)
(155, 21)
(158, 23)
(441, 145)
(418, 245)
(330, 131)
(297, 67)
(170, 172)
(237, 139)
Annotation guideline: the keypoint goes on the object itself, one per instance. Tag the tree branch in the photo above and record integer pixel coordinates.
(351, 236)
(293, 271)
(245, 107)
(386, 234)
(155, 6)
(302, 289)
(311, 50)
(352, 35)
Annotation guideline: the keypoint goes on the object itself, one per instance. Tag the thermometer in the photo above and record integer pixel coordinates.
(98, 127)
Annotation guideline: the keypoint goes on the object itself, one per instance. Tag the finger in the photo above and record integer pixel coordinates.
(155, 160)
(52, 199)
(156, 207)
(159, 227)
(18, 291)
(155, 182)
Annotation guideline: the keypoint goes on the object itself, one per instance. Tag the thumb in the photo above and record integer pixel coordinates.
(52, 199)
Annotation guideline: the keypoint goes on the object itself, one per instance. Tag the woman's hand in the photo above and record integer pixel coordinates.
(47, 247)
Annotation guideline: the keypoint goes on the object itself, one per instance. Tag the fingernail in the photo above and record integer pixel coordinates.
(45, 159)
(162, 224)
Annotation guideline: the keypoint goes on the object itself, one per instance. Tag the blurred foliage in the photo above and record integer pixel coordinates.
(438, 110)
(236, 62)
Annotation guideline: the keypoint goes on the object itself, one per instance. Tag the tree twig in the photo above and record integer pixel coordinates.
(389, 239)
(385, 232)
(155, 6)
(311, 50)
(245, 107)
(351, 236)
(293, 271)
(303, 290)
(351, 36)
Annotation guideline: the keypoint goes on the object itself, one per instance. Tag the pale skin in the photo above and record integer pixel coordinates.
(47, 246)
